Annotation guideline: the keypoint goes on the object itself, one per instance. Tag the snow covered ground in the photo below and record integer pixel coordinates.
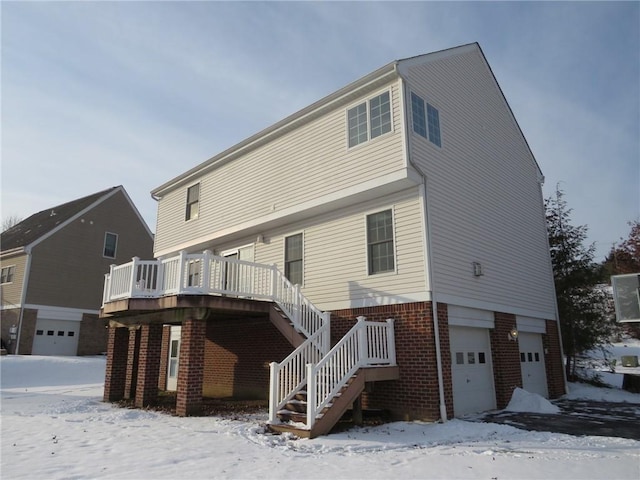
(55, 426)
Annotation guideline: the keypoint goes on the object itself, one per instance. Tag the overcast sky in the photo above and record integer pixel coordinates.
(102, 94)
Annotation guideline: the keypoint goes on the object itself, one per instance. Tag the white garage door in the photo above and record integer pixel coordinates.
(56, 337)
(534, 375)
(471, 370)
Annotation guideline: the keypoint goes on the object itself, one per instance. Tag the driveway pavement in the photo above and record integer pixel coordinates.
(577, 417)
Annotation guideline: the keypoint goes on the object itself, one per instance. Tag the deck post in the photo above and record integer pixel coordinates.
(391, 342)
(183, 258)
(148, 364)
(191, 366)
(134, 270)
(311, 396)
(363, 352)
(206, 269)
(273, 391)
(274, 282)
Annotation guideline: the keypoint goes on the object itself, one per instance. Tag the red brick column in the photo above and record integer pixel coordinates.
(132, 363)
(507, 373)
(553, 360)
(148, 364)
(116, 370)
(164, 357)
(191, 367)
(445, 355)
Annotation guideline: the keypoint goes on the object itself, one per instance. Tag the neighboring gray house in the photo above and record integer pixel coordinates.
(53, 265)
(411, 194)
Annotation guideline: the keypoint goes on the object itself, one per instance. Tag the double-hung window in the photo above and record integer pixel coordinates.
(380, 251)
(426, 121)
(7, 273)
(293, 268)
(369, 119)
(193, 201)
(110, 245)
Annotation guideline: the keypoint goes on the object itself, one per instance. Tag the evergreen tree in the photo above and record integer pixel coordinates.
(624, 257)
(582, 308)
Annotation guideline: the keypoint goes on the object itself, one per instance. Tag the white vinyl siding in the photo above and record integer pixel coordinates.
(485, 203)
(335, 256)
(301, 165)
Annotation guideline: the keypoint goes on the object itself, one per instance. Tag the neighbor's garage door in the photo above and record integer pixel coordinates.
(56, 337)
(471, 370)
(534, 375)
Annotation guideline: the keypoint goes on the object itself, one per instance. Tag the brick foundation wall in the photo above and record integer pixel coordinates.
(133, 354)
(92, 339)
(116, 369)
(415, 395)
(505, 355)
(191, 368)
(148, 365)
(553, 360)
(164, 357)
(237, 356)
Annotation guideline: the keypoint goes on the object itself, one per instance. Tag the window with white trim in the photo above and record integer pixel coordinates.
(293, 265)
(193, 202)
(369, 119)
(7, 273)
(426, 121)
(110, 245)
(380, 249)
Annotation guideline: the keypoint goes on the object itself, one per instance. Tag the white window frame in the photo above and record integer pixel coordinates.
(367, 102)
(9, 269)
(284, 254)
(395, 244)
(187, 210)
(104, 245)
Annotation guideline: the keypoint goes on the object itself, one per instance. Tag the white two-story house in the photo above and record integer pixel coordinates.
(410, 200)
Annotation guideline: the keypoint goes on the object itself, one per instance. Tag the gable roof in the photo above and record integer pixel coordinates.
(38, 225)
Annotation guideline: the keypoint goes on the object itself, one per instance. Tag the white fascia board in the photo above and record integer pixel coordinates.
(379, 187)
(73, 218)
(494, 307)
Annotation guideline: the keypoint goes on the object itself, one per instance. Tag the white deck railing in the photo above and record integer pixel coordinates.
(367, 344)
(208, 274)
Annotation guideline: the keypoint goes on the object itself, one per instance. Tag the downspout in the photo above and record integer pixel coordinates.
(23, 300)
(428, 271)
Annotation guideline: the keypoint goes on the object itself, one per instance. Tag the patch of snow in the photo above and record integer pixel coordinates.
(523, 401)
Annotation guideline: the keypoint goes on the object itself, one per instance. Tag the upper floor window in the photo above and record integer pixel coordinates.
(293, 258)
(380, 251)
(193, 201)
(369, 119)
(426, 122)
(110, 245)
(6, 276)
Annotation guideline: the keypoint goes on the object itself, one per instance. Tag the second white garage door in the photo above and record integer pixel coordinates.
(534, 375)
(472, 373)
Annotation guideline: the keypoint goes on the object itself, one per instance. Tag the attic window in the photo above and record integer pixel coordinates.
(426, 122)
(193, 201)
(369, 119)
(110, 245)
(7, 274)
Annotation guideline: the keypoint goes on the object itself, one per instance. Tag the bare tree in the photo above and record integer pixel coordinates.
(10, 221)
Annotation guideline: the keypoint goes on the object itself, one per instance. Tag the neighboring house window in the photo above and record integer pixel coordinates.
(369, 119)
(110, 245)
(193, 201)
(7, 274)
(293, 258)
(425, 122)
(380, 252)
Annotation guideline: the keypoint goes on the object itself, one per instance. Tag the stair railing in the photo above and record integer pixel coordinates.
(288, 377)
(367, 344)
